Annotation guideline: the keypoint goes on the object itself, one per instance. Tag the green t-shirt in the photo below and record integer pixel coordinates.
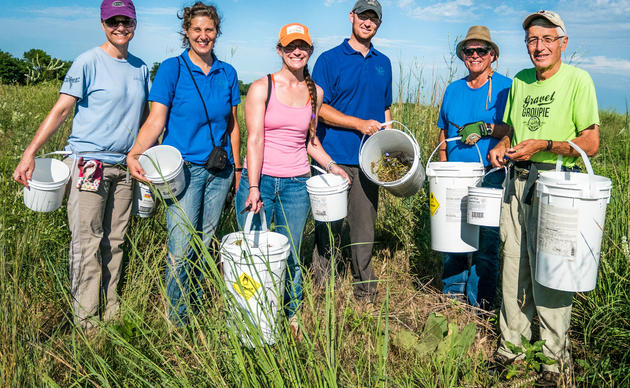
(554, 109)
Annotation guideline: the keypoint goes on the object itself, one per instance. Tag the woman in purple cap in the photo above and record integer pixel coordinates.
(108, 88)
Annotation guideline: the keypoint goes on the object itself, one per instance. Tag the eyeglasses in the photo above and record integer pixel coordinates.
(364, 16)
(481, 51)
(115, 22)
(292, 46)
(546, 40)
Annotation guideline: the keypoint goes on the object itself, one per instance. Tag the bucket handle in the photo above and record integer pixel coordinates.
(449, 140)
(394, 122)
(74, 163)
(587, 164)
(495, 169)
(250, 217)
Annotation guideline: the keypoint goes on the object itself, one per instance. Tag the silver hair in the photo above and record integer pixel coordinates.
(542, 22)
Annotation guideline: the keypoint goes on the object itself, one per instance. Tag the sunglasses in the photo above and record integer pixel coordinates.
(481, 51)
(364, 16)
(115, 22)
(292, 46)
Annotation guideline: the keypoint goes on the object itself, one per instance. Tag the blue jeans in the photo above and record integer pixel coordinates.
(195, 213)
(479, 282)
(286, 202)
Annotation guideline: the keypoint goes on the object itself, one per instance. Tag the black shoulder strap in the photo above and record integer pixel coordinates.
(204, 105)
(268, 91)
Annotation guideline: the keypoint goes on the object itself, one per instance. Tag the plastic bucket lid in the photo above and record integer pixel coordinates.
(485, 192)
(326, 182)
(455, 169)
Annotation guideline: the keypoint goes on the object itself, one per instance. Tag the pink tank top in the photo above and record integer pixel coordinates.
(285, 138)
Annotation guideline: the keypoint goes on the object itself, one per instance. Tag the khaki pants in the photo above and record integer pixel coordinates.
(522, 295)
(98, 222)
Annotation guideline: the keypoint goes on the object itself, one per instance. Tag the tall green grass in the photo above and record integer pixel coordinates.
(343, 344)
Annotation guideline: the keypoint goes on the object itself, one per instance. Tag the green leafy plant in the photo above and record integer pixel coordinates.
(533, 357)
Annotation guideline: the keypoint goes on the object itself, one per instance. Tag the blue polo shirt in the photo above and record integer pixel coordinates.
(356, 86)
(463, 105)
(186, 124)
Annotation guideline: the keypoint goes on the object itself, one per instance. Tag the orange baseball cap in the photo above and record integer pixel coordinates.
(294, 31)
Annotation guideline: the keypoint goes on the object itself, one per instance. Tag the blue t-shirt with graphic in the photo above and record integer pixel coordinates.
(186, 125)
(356, 86)
(462, 105)
(112, 94)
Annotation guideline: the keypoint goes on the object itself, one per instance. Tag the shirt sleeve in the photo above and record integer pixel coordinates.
(508, 106)
(77, 79)
(163, 87)
(388, 88)
(236, 93)
(585, 111)
(320, 76)
(442, 120)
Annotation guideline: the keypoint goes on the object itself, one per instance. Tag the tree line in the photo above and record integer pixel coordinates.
(37, 66)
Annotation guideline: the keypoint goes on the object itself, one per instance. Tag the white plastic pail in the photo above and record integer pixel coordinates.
(484, 204)
(571, 215)
(164, 167)
(393, 141)
(448, 201)
(47, 185)
(329, 197)
(254, 264)
(143, 203)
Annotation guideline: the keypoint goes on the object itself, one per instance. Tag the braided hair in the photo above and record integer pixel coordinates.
(312, 91)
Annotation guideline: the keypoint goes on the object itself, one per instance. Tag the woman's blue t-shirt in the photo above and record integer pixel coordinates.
(186, 124)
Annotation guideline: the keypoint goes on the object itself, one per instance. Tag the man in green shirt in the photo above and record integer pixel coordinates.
(547, 105)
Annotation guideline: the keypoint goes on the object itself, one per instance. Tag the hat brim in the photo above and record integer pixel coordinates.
(122, 12)
(293, 37)
(460, 47)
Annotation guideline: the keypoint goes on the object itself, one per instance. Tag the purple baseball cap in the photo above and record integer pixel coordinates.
(111, 8)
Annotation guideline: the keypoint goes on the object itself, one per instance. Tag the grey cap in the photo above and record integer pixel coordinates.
(368, 5)
(550, 16)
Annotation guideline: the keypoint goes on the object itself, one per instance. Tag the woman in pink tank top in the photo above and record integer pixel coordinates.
(281, 116)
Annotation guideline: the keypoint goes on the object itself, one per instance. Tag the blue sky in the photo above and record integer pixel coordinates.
(417, 35)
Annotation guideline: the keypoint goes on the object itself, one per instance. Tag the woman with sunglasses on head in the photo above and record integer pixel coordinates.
(281, 115)
(194, 97)
(108, 88)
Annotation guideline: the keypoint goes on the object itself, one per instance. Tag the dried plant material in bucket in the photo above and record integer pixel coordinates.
(391, 166)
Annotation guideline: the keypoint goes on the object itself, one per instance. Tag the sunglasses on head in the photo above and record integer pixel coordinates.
(481, 51)
(115, 22)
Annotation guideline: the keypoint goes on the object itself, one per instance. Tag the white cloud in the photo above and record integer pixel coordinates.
(62, 12)
(452, 11)
(602, 64)
(329, 3)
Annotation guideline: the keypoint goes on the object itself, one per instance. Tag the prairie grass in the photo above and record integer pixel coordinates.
(343, 343)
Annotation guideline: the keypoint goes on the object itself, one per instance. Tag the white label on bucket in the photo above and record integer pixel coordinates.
(318, 206)
(558, 231)
(456, 203)
(477, 206)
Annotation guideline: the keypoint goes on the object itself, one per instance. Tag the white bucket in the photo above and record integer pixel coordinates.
(329, 197)
(448, 201)
(143, 203)
(484, 204)
(393, 141)
(47, 185)
(254, 264)
(571, 215)
(164, 167)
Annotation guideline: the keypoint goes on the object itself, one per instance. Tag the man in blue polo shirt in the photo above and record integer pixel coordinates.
(473, 107)
(357, 84)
